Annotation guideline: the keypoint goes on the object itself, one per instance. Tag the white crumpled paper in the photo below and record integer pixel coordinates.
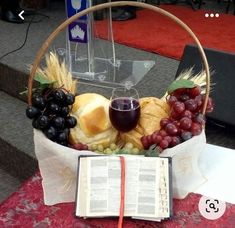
(58, 167)
(186, 175)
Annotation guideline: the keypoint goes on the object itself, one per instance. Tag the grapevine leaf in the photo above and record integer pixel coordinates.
(181, 83)
(43, 86)
(153, 151)
(43, 80)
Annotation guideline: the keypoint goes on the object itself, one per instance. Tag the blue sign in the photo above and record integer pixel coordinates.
(78, 32)
(76, 6)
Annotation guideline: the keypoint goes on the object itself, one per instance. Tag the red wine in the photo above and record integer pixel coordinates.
(124, 113)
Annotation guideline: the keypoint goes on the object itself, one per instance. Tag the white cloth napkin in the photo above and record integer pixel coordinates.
(197, 167)
(58, 167)
(218, 166)
(186, 175)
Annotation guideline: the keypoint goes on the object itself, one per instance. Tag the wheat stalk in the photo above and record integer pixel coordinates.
(57, 72)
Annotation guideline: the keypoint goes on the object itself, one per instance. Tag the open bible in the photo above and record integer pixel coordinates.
(147, 187)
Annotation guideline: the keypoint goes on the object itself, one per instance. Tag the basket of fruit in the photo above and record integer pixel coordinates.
(67, 125)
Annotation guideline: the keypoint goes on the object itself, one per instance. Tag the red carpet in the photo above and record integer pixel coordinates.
(25, 209)
(156, 33)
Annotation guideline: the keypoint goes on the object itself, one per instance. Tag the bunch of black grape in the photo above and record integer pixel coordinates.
(50, 113)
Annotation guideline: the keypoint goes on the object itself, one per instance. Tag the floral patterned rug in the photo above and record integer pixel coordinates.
(25, 208)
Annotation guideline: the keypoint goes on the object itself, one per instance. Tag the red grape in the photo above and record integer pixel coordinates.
(196, 128)
(79, 146)
(164, 122)
(210, 105)
(85, 147)
(186, 135)
(181, 131)
(144, 142)
(200, 118)
(195, 91)
(176, 123)
(171, 129)
(179, 92)
(168, 138)
(156, 138)
(171, 100)
(199, 100)
(76, 146)
(175, 115)
(184, 97)
(149, 138)
(175, 140)
(191, 105)
(187, 113)
(178, 107)
(185, 123)
(164, 144)
(162, 133)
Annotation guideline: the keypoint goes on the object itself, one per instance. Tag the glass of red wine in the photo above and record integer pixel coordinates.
(124, 109)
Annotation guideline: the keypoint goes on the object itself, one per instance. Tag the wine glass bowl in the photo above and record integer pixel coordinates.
(124, 109)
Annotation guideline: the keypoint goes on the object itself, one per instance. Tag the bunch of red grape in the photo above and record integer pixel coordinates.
(184, 122)
(50, 113)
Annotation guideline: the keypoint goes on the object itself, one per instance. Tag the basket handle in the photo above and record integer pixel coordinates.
(61, 27)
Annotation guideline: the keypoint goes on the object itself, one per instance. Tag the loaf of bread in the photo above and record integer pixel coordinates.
(152, 111)
(93, 125)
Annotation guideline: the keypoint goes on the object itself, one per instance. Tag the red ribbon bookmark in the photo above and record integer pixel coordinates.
(122, 201)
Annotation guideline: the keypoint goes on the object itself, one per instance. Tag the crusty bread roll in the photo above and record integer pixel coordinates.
(93, 125)
(152, 111)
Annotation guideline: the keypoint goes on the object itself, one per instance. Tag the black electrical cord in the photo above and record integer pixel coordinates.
(26, 34)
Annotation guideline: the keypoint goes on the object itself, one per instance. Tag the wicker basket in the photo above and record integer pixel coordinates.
(68, 161)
